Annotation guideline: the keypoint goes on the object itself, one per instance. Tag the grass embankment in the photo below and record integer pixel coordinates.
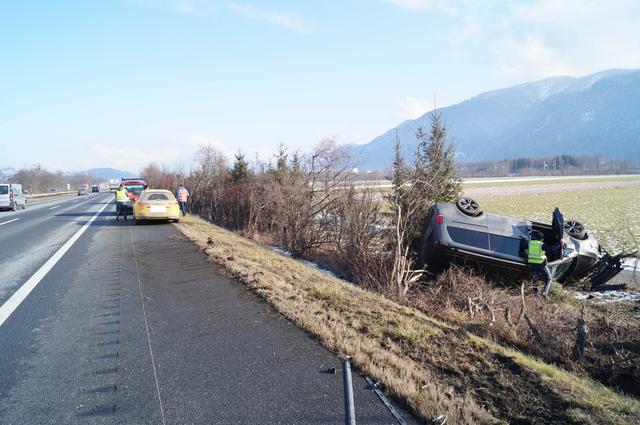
(434, 367)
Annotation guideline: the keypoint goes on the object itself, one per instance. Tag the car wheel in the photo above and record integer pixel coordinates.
(468, 207)
(575, 229)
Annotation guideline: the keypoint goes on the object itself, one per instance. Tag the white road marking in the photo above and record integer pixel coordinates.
(57, 206)
(16, 299)
(8, 221)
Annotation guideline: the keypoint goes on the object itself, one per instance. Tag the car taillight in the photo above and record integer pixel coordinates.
(439, 219)
(11, 195)
(141, 203)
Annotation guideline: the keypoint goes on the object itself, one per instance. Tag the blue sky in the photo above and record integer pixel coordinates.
(121, 83)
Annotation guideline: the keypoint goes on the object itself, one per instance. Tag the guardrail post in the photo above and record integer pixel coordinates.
(349, 408)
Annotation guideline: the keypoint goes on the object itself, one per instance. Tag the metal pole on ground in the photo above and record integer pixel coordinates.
(349, 409)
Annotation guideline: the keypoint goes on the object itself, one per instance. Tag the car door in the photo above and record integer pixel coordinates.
(468, 233)
(18, 196)
(505, 237)
(557, 227)
(4, 196)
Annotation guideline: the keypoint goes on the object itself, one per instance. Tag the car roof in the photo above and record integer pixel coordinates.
(157, 191)
(493, 223)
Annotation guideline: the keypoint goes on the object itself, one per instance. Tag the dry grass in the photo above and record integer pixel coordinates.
(436, 368)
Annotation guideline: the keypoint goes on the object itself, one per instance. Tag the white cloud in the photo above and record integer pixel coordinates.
(541, 38)
(411, 4)
(412, 107)
(583, 36)
(451, 7)
(135, 158)
(176, 151)
(469, 29)
(196, 141)
(528, 57)
(185, 7)
(290, 21)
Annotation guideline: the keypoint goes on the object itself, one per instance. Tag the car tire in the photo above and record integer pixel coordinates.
(468, 206)
(575, 229)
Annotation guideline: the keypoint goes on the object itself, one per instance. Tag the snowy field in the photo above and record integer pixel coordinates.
(610, 213)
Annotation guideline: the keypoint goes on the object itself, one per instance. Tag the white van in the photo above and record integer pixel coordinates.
(12, 196)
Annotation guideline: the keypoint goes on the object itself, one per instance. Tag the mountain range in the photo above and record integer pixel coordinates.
(594, 115)
(98, 173)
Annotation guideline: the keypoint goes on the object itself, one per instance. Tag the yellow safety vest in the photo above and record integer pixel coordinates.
(121, 195)
(536, 254)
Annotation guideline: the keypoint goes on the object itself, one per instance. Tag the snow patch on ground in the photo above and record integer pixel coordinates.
(608, 296)
(281, 251)
(316, 266)
(631, 264)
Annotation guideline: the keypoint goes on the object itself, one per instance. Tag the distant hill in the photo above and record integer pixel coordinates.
(108, 173)
(98, 173)
(6, 172)
(596, 114)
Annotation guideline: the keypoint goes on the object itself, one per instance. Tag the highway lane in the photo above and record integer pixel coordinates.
(29, 237)
(134, 326)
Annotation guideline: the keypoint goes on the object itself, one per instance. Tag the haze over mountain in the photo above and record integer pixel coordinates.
(109, 173)
(596, 114)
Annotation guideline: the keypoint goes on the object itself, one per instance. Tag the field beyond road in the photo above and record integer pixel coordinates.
(608, 207)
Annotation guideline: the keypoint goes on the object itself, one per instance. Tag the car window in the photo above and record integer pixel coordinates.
(504, 244)
(469, 237)
(135, 188)
(4, 189)
(157, 197)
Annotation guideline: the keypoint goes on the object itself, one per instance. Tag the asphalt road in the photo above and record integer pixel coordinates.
(133, 326)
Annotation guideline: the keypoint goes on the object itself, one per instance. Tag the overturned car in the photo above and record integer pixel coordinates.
(462, 233)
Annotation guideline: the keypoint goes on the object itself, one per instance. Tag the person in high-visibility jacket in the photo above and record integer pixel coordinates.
(122, 197)
(537, 259)
(183, 196)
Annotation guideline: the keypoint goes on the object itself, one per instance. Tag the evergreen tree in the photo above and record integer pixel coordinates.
(281, 167)
(240, 169)
(399, 169)
(295, 163)
(438, 174)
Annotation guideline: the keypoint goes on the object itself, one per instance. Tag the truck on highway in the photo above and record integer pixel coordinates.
(113, 184)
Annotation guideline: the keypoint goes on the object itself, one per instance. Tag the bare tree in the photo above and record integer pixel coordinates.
(406, 206)
(360, 238)
(207, 182)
